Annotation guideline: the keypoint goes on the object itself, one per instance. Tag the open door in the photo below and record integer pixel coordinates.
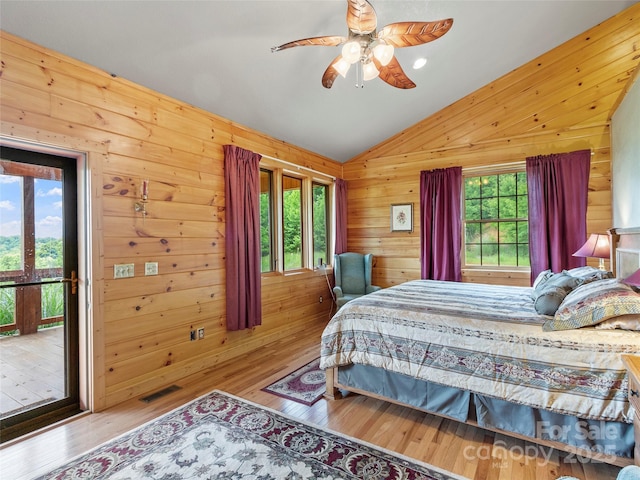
(39, 360)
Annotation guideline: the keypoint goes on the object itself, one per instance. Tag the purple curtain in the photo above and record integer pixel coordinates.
(440, 224)
(558, 185)
(341, 216)
(242, 237)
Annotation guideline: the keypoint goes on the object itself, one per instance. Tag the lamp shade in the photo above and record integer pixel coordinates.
(596, 246)
(633, 279)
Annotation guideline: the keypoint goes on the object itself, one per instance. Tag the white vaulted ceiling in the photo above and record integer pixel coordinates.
(216, 55)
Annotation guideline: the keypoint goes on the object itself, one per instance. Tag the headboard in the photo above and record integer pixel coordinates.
(625, 250)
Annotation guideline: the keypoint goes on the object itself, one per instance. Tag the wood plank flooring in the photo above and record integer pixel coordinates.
(462, 449)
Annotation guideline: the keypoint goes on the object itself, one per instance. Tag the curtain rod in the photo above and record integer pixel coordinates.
(298, 166)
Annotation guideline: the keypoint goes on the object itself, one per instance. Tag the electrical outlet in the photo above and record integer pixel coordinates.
(200, 333)
(320, 299)
(123, 270)
(151, 268)
(192, 335)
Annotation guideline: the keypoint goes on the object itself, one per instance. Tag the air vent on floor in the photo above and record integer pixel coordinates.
(161, 393)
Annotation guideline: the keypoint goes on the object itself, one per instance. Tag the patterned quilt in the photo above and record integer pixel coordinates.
(487, 339)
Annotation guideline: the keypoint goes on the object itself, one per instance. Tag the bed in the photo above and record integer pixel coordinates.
(484, 355)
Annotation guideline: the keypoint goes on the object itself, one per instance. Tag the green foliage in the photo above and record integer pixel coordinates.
(48, 253)
(7, 305)
(320, 214)
(292, 228)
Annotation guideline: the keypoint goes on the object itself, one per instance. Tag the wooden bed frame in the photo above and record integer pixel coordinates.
(625, 259)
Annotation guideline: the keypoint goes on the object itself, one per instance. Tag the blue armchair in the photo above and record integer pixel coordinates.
(352, 272)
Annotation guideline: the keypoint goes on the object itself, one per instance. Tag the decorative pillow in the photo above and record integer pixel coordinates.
(550, 293)
(541, 278)
(593, 303)
(624, 322)
(589, 274)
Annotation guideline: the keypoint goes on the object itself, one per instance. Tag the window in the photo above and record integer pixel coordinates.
(292, 222)
(295, 216)
(496, 226)
(266, 221)
(320, 221)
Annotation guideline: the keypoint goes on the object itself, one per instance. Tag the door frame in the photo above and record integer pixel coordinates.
(85, 255)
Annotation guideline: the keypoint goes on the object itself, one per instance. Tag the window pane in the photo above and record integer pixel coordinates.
(522, 183)
(292, 222)
(489, 254)
(507, 207)
(523, 255)
(523, 206)
(523, 232)
(508, 255)
(507, 184)
(472, 209)
(489, 186)
(472, 233)
(266, 223)
(508, 232)
(472, 188)
(490, 232)
(472, 254)
(490, 208)
(320, 216)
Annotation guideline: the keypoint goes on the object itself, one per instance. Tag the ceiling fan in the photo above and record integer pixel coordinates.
(370, 50)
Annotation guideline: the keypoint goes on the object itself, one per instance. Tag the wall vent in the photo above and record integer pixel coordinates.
(161, 393)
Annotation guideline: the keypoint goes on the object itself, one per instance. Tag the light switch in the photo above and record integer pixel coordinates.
(151, 268)
(123, 270)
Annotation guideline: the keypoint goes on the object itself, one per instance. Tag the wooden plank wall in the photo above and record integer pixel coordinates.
(141, 325)
(559, 102)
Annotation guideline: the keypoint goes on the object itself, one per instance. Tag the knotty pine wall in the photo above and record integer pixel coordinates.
(560, 102)
(138, 335)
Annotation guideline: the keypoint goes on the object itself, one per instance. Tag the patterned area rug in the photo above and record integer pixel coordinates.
(222, 436)
(306, 385)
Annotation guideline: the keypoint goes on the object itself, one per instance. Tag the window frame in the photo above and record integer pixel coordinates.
(510, 168)
(308, 178)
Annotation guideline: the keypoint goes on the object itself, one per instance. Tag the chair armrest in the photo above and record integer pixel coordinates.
(338, 292)
(372, 288)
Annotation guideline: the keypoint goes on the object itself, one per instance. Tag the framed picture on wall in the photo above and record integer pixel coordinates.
(402, 217)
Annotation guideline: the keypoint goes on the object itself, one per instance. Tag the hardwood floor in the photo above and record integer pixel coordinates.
(465, 450)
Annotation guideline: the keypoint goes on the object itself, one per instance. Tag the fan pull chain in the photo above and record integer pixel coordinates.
(359, 75)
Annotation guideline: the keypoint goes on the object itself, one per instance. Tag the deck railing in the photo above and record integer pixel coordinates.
(21, 300)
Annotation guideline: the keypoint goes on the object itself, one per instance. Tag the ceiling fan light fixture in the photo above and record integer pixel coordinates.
(351, 51)
(342, 67)
(369, 71)
(383, 53)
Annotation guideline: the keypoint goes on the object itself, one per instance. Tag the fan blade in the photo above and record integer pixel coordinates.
(409, 34)
(393, 74)
(328, 41)
(361, 17)
(330, 73)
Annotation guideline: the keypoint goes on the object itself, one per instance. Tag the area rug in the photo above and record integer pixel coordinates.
(222, 436)
(306, 385)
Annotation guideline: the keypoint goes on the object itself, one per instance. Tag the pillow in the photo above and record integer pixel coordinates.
(589, 274)
(593, 303)
(550, 292)
(624, 322)
(541, 278)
